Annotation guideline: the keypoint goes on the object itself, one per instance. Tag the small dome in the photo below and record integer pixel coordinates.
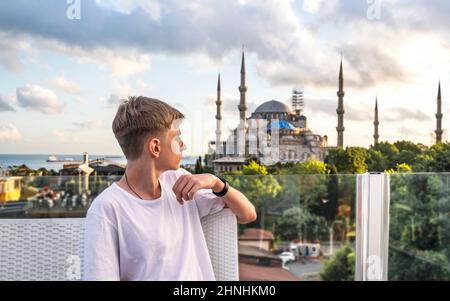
(273, 106)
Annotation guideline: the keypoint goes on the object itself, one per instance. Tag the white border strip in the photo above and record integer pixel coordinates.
(372, 227)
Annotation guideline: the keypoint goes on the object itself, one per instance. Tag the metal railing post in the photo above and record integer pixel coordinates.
(372, 226)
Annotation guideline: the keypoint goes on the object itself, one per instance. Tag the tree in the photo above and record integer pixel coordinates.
(400, 168)
(351, 160)
(299, 223)
(422, 163)
(410, 146)
(341, 266)
(441, 157)
(405, 156)
(388, 151)
(253, 168)
(260, 188)
(311, 166)
(198, 166)
(375, 161)
(419, 232)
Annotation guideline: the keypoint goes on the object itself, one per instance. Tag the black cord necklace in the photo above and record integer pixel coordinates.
(126, 179)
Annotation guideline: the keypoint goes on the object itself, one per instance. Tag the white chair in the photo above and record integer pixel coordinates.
(52, 249)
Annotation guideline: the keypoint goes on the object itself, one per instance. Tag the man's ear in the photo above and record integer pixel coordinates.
(154, 147)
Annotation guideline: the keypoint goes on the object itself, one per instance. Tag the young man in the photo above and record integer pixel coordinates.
(146, 226)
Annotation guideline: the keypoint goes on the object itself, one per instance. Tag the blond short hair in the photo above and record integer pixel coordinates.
(138, 118)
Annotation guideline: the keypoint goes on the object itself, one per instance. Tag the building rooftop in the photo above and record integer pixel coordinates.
(256, 234)
(230, 160)
(251, 272)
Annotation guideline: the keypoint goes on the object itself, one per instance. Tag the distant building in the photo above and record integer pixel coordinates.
(256, 261)
(10, 189)
(256, 237)
(227, 164)
(101, 168)
(107, 168)
(258, 256)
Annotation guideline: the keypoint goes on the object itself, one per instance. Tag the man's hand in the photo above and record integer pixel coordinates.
(187, 185)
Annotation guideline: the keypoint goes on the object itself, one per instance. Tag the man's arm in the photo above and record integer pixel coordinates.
(187, 185)
(238, 203)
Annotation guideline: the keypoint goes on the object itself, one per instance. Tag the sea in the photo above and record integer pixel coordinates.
(36, 161)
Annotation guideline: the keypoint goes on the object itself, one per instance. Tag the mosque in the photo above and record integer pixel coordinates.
(283, 129)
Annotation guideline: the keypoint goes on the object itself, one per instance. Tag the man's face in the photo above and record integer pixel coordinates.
(171, 150)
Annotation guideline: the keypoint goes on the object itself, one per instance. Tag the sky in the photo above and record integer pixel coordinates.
(65, 66)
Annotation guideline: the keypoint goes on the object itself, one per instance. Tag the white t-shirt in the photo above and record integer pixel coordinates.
(132, 239)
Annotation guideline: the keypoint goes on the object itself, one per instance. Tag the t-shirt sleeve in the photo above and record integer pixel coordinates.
(101, 249)
(207, 202)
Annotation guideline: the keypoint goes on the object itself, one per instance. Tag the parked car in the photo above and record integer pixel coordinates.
(287, 256)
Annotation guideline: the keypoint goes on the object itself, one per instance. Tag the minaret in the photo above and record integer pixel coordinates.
(218, 121)
(242, 105)
(376, 123)
(340, 110)
(439, 117)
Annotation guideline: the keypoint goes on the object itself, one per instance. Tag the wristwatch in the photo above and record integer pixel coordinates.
(224, 190)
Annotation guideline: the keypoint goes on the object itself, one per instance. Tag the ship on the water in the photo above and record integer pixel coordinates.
(55, 159)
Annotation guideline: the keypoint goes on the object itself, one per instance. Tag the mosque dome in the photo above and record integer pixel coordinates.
(273, 106)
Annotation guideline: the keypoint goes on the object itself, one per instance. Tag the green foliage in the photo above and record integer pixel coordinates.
(253, 168)
(341, 266)
(375, 161)
(198, 165)
(258, 186)
(354, 160)
(351, 160)
(400, 168)
(419, 227)
(388, 157)
(298, 223)
(441, 157)
(422, 163)
(409, 146)
(310, 166)
(303, 207)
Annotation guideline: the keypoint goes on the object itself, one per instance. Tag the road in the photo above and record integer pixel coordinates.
(306, 271)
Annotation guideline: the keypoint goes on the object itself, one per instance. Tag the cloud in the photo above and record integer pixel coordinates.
(124, 36)
(402, 114)
(290, 46)
(80, 99)
(114, 100)
(88, 125)
(37, 98)
(363, 112)
(411, 132)
(311, 6)
(65, 85)
(8, 132)
(328, 107)
(143, 86)
(65, 136)
(5, 106)
(229, 104)
(151, 7)
(123, 63)
(10, 48)
(120, 91)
